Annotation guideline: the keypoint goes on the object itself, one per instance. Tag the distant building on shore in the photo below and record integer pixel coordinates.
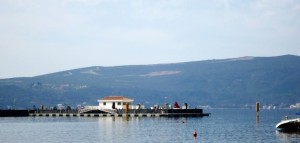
(115, 102)
(296, 106)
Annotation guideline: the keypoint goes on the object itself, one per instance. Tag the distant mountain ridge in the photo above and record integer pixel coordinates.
(232, 82)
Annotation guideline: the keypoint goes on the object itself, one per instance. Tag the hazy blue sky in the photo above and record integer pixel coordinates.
(45, 36)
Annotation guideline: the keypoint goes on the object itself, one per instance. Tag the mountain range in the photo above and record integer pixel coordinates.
(235, 82)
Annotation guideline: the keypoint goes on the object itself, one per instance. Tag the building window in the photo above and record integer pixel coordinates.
(124, 103)
(104, 103)
(119, 103)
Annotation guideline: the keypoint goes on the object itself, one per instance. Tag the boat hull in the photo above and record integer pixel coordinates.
(289, 124)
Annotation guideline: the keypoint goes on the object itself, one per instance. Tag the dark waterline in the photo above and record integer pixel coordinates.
(223, 125)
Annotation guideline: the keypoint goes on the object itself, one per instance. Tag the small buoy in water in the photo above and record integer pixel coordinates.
(195, 134)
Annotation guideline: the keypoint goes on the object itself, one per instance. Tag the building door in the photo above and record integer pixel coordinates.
(113, 105)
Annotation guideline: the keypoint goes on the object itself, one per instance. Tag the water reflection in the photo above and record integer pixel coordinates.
(257, 119)
(224, 125)
(288, 136)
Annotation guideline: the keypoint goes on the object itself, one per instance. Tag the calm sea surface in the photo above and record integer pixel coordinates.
(223, 126)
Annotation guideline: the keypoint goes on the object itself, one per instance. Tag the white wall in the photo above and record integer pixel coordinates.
(109, 105)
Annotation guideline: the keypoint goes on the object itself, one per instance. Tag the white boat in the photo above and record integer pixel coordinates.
(289, 124)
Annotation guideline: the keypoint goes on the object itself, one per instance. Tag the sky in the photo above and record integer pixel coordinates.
(44, 36)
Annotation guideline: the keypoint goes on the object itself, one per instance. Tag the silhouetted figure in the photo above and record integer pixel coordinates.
(176, 105)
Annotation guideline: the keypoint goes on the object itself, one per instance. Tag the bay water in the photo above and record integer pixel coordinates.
(222, 126)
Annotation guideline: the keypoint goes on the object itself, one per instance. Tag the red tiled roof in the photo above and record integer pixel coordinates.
(115, 98)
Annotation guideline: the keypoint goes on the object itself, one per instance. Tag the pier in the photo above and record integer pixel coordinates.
(122, 113)
(110, 106)
(100, 113)
(14, 113)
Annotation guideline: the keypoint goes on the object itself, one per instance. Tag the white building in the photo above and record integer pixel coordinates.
(115, 102)
(295, 106)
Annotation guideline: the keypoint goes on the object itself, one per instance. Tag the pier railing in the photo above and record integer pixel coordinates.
(87, 109)
(55, 111)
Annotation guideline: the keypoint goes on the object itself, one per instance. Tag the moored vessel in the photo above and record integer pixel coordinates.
(289, 124)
